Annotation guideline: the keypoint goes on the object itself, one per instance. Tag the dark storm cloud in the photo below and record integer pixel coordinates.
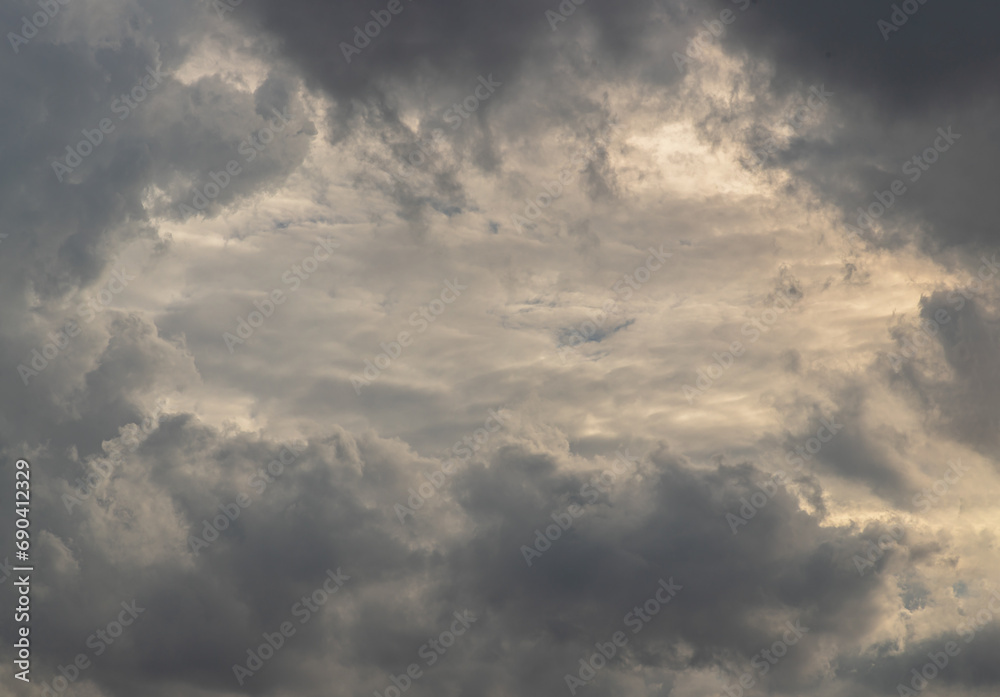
(971, 662)
(332, 506)
(61, 224)
(202, 612)
(453, 39)
(843, 442)
(962, 324)
(63, 230)
(63, 235)
(893, 89)
(436, 50)
(943, 51)
(670, 523)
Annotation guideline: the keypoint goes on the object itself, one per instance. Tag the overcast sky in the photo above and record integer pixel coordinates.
(459, 338)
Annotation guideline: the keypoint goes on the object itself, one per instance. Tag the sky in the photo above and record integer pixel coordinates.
(500, 349)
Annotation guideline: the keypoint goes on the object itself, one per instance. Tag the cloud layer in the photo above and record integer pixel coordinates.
(429, 366)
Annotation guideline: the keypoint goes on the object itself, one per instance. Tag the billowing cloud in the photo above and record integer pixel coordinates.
(463, 348)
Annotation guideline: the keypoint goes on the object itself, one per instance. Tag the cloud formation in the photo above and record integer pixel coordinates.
(689, 297)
